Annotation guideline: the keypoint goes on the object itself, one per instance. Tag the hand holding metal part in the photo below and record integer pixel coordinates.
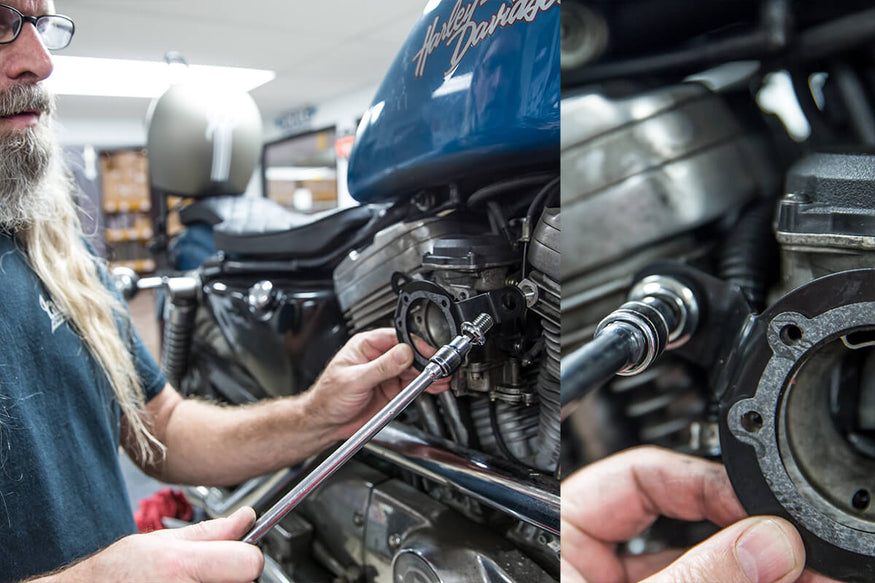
(444, 362)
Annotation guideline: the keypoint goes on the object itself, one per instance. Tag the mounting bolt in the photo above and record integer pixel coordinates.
(530, 292)
(477, 329)
(394, 541)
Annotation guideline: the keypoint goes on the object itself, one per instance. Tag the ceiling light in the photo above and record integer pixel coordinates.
(118, 78)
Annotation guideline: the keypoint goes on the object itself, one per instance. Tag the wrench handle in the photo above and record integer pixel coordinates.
(444, 362)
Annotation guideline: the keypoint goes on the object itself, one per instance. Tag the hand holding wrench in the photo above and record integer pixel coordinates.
(444, 362)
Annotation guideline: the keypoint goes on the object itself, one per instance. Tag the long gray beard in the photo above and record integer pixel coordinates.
(30, 168)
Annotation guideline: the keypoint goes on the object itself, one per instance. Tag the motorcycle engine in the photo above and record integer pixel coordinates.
(683, 169)
(515, 376)
(397, 522)
(691, 177)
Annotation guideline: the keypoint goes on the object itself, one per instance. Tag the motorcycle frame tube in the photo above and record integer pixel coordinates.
(521, 493)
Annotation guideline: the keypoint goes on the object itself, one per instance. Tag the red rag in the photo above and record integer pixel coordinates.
(165, 502)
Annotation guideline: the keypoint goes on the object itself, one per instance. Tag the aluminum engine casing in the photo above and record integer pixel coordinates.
(363, 278)
(641, 177)
(826, 219)
(401, 535)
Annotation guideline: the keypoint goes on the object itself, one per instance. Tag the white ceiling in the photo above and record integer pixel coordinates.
(320, 49)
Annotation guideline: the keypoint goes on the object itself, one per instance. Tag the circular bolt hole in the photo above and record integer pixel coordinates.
(752, 421)
(861, 499)
(405, 298)
(791, 334)
(444, 303)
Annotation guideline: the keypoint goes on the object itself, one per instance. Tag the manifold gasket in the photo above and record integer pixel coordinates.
(502, 305)
(756, 449)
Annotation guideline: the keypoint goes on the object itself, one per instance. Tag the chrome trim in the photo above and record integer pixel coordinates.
(521, 492)
(257, 493)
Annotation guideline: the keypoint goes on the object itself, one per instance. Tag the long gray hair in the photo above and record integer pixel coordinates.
(37, 204)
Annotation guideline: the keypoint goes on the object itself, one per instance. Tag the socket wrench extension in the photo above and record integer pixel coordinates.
(445, 361)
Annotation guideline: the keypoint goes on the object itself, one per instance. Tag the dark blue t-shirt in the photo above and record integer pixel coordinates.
(62, 495)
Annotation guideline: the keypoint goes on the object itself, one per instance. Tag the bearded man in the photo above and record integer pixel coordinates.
(76, 381)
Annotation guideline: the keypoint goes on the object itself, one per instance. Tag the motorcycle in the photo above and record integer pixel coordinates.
(729, 232)
(456, 166)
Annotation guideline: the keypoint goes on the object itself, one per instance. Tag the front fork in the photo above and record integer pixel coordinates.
(179, 323)
(178, 315)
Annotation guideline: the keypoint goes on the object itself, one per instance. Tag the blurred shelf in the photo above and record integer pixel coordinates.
(138, 265)
(131, 234)
(126, 206)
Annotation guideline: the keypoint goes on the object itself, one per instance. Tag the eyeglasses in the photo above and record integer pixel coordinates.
(55, 31)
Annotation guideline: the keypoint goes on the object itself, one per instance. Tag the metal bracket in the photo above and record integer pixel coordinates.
(429, 311)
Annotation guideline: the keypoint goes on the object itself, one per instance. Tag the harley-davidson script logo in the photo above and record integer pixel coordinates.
(461, 28)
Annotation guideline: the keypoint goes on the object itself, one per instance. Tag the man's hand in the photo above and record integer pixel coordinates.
(370, 369)
(613, 500)
(207, 552)
(220, 446)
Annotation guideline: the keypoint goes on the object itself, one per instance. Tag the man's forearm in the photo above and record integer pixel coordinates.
(216, 445)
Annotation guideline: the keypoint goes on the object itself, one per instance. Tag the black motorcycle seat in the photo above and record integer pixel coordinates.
(257, 227)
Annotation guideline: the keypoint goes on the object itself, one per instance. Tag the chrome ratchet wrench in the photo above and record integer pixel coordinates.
(444, 362)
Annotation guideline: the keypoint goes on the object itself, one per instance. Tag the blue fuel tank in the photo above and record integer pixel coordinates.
(472, 97)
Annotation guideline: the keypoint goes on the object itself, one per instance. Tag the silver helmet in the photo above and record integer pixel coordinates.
(203, 141)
